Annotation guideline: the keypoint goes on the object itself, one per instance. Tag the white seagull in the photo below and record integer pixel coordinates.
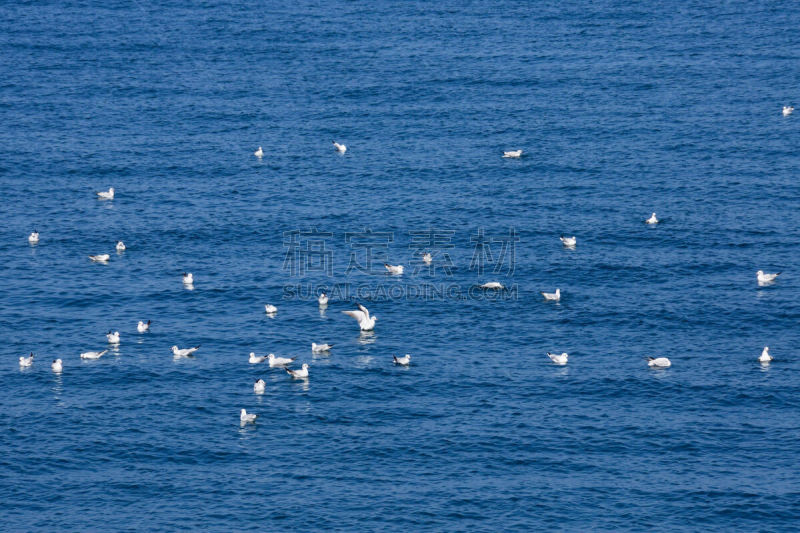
(186, 352)
(259, 153)
(323, 299)
(93, 355)
(100, 258)
(569, 241)
(246, 417)
(340, 147)
(427, 258)
(106, 195)
(492, 285)
(559, 359)
(25, 362)
(270, 309)
(766, 278)
(113, 337)
(398, 269)
(57, 366)
(279, 361)
(365, 322)
(765, 357)
(554, 296)
(299, 374)
(405, 360)
(143, 326)
(661, 362)
(33, 238)
(259, 386)
(512, 153)
(319, 348)
(787, 110)
(652, 219)
(188, 279)
(255, 359)
(120, 246)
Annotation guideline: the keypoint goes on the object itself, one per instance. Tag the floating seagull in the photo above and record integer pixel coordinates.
(766, 278)
(323, 299)
(787, 110)
(120, 246)
(259, 386)
(559, 359)
(299, 374)
(186, 352)
(33, 238)
(279, 361)
(652, 219)
(555, 296)
(270, 309)
(25, 362)
(188, 279)
(492, 285)
(427, 258)
(765, 357)
(143, 326)
(661, 362)
(93, 355)
(101, 258)
(259, 153)
(106, 195)
(569, 241)
(405, 360)
(255, 359)
(57, 366)
(394, 269)
(244, 417)
(513, 153)
(340, 147)
(365, 322)
(113, 337)
(319, 348)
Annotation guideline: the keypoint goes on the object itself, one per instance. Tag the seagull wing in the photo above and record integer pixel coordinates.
(358, 315)
(364, 310)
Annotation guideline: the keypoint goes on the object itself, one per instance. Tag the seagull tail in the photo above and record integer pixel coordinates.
(395, 358)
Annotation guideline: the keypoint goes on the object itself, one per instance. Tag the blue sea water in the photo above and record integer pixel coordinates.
(622, 109)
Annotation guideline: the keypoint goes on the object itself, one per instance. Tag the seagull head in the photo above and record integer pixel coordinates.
(305, 366)
(760, 273)
(174, 348)
(271, 356)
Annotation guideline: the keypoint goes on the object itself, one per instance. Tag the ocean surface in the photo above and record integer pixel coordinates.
(621, 109)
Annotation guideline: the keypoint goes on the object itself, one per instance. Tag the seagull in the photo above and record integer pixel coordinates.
(662, 362)
(25, 362)
(340, 147)
(365, 322)
(33, 238)
(244, 417)
(255, 359)
(319, 348)
(555, 296)
(787, 110)
(405, 360)
(143, 326)
(101, 258)
(57, 366)
(569, 241)
(299, 374)
(492, 285)
(394, 269)
(259, 386)
(188, 279)
(279, 361)
(186, 352)
(766, 278)
(513, 153)
(93, 355)
(270, 309)
(259, 153)
(558, 359)
(120, 246)
(323, 299)
(652, 219)
(765, 357)
(427, 258)
(106, 195)
(113, 337)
